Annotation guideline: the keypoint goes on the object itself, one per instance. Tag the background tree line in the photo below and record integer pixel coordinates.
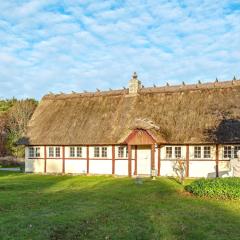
(14, 117)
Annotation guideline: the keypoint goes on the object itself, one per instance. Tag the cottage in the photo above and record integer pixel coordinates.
(137, 131)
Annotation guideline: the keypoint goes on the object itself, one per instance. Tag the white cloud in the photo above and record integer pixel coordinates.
(74, 45)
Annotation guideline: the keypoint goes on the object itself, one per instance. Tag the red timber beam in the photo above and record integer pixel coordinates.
(45, 159)
(152, 156)
(63, 159)
(113, 159)
(87, 159)
(135, 170)
(159, 160)
(217, 160)
(129, 160)
(187, 160)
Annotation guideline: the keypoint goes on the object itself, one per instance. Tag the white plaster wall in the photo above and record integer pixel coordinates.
(75, 166)
(202, 169)
(100, 166)
(54, 165)
(34, 165)
(166, 168)
(121, 167)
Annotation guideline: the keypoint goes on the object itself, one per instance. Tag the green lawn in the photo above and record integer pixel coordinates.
(80, 207)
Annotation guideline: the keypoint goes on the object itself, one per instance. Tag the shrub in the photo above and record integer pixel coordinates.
(224, 188)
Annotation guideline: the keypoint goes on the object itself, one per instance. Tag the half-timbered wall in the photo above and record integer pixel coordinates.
(117, 163)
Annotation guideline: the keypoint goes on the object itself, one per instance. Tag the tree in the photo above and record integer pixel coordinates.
(18, 117)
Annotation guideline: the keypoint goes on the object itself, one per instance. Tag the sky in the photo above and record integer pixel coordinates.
(76, 45)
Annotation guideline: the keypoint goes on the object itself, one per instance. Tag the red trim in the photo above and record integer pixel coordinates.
(187, 160)
(135, 171)
(217, 160)
(87, 159)
(45, 159)
(113, 159)
(159, 161)
(134, 132)
(63, 159)
(152, 156)
(129, 160)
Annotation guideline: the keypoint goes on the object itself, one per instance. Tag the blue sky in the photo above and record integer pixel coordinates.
(70, 45)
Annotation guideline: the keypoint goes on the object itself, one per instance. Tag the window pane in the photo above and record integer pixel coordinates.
(178, 152)
(50, 152)
(227, 151)
(57, 151)
(197, 152)
(121, 152)
(168, 152)
(79, 151)
(207, 152)
(96, 151)
(236, 149)
(104, 151)
(37, 151)
(72, 151)
(31, 152)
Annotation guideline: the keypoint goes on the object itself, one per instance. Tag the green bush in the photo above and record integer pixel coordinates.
(224, 188)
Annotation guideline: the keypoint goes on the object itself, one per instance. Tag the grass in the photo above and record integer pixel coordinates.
(80, 207)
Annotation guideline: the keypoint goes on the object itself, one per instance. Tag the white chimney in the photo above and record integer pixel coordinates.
(134, 84)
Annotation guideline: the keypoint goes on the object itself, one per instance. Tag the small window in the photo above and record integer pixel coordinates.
(50, 152)
(96, 152)
(72, 151)
(197, 152)
(168, 152)
(236, 149)
(121, 152)
(79, 151)
(104, 151)
(126, 152)
(207, 152)
(178, 152)
(31, 152)
(57, 151)
(227, 151)
(37, 152)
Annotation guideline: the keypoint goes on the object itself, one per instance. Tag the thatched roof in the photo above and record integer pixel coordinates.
(199, 113)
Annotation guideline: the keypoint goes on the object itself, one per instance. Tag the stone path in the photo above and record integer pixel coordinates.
(10, 169)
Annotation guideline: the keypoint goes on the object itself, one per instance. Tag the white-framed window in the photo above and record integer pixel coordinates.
(57, 151)
(197, 152)
(51, 152)
(227, 151)
(104, 151)
(168, 152)
(121, 151)
(206, 152)
(79, 151)
(72, 152)
(54, 152)
(178, 152)
(96, 151)
(34, 152)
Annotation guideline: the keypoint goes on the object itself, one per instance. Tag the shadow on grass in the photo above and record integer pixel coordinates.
(109, 208)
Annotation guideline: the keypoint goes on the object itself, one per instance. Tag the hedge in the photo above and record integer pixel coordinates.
(224, 188)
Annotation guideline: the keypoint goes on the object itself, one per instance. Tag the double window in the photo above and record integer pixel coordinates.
(122, 152)
(202, 152)
(174, 152)
(100, 152)
(34, 152)
(54, 152)
(230, 151)
(75, 152)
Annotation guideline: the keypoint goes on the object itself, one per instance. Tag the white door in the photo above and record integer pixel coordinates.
(144, 160)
